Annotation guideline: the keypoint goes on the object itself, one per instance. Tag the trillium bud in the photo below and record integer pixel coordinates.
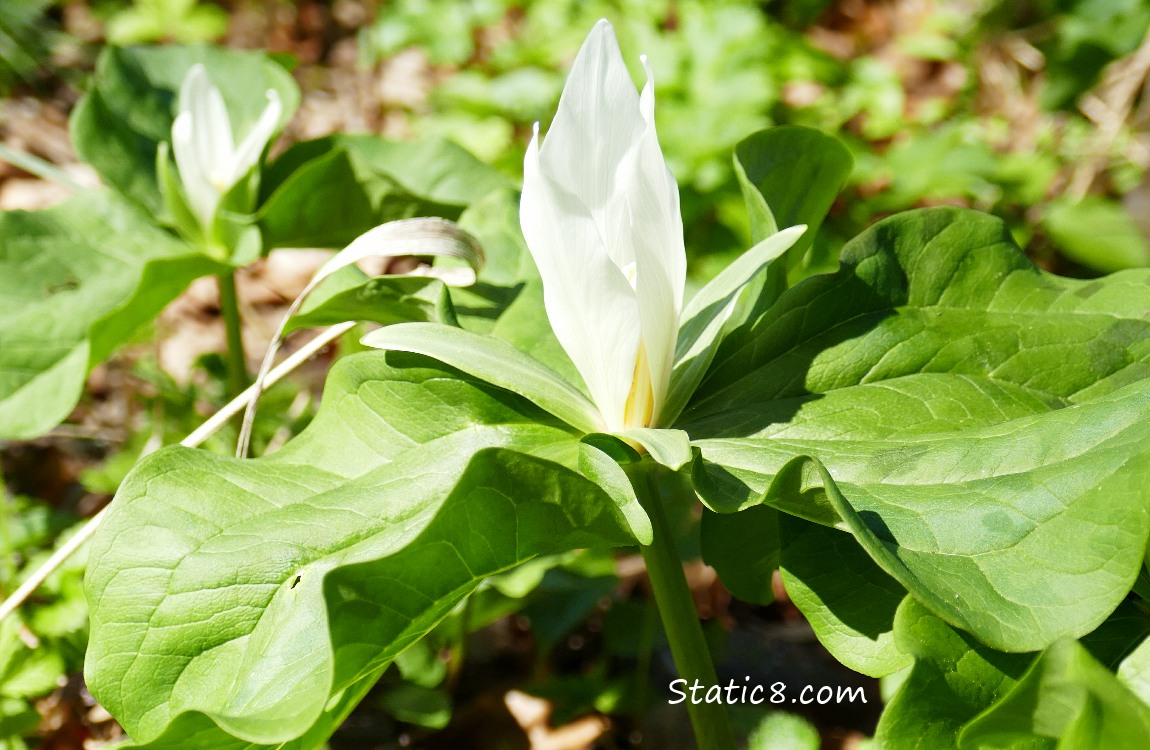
(600, 213)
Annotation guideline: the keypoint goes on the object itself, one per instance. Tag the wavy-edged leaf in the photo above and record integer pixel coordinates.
(979, 419)
(76, 281)
(941, 290)
(1021, 533)
(257, 600)
(495, 362)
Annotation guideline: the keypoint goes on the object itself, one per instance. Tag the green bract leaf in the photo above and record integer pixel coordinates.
(671, 448)
(953, 679)
(495, 362)
(130, 107)
(705, 316)
(604, 470)
(75, 282)
(1066, 699)
(325, 193)
(983, 423)
(289, 583)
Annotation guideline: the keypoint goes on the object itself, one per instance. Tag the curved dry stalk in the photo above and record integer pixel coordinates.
(198, 436)
(419, 236)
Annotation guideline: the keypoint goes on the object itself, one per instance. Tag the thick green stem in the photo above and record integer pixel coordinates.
(711, 722)
(237, 367)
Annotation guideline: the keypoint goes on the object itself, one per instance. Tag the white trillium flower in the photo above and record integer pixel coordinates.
(207, 158)
(600, 213)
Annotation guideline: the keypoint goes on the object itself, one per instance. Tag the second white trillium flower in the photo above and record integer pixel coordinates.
(208, 160)
(600, 213)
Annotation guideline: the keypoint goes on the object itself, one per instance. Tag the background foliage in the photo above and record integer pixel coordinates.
(1031, 111)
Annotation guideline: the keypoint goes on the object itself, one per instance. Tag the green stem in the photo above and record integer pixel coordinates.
(711, 722)
(237, 367)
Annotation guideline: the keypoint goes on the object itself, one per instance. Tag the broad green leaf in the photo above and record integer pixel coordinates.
(325, 193)
(75, 282)
(1134, 671)
(981, 423)
(128, 111)
(743, 548)
(848, 600)
(412, 485)
(494, 361)
(789, 176)
(954, 678)
(796, 172)
(942, 290)
(1018, 533)
(1065, 700)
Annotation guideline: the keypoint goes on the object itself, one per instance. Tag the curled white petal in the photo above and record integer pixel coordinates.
(249, 150)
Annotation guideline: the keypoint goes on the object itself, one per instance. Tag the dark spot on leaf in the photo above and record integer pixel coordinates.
(296, 581)
(65, 285)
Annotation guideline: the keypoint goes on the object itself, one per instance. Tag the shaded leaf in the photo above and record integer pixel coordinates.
(982, 423)
(326, 192)
(1065, 700)
(848, 599)
(954, 678)
(743, 548)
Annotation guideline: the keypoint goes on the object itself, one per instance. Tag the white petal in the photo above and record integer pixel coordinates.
(257, 138)
(656, 226)
(201, 195)
(589, 302)
(211, 128)
(596, 127)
